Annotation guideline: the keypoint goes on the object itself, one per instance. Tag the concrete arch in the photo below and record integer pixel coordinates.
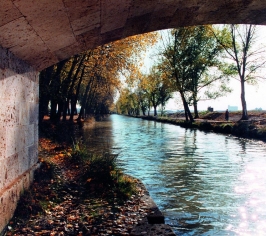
(47, 31)
(35, 34)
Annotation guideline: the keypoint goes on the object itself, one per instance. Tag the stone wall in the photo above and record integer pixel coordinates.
(18, 131)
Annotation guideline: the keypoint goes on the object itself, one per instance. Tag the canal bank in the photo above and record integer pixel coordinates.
(254, 128)
(204, 183)
(60, 203)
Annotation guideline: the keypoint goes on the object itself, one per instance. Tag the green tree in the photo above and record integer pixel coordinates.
(126, 103)
(174, 60)
(158, 88)
(152, 89)
(187, 58)
(205, 52)
(247, 60)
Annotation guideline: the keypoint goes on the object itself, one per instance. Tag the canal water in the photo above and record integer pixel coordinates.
(204, 183)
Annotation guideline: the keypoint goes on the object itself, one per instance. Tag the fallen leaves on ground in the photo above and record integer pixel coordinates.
(58, 204)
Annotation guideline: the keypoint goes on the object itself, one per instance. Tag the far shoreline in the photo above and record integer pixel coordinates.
(254, 128)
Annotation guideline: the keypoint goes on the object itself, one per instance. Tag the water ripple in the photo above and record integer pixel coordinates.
(205, 184)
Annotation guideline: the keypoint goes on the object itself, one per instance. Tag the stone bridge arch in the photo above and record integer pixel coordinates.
(47, 31)
(35, 34)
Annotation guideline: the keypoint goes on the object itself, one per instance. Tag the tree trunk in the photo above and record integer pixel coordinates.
(68, 108)
(186, 107)
(60, 111)
(143, 110)
(53, 110)
(84, 99)
(186, 115)
(195, 103)
(55, 90)
(155, 110)
(43, 109)
(75, 97)
(73, 108)
(44, 97)
(65, 109)
(81, 113)
(196, 113)
(243, 101)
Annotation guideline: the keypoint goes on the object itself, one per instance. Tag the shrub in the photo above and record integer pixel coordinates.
(226, 128)
(261, 133)
(241, 128)
(125, 186)
(99, 167)
(101, 172)
(79, 153)
(205, 126)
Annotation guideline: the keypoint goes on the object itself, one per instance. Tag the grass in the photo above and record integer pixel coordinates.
(98, 178)
(100, 171)
(92, 169)
(78, 154)
(87, 176)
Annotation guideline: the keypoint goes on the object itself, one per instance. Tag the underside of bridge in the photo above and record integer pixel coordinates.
(35, 34)
(47, 31)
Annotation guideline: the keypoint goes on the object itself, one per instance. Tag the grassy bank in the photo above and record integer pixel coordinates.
(214, 121)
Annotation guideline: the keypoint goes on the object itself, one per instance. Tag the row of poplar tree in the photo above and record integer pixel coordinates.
(196, 62)
(90, 79)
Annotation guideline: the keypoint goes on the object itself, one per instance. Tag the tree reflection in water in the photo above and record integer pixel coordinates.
(204, 183)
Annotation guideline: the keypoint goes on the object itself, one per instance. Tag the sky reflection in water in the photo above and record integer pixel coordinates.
(204, 183)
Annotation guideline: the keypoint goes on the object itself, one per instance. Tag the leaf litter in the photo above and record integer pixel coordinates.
(58, 203)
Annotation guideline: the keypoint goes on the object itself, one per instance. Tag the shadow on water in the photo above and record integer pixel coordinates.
(204, 183)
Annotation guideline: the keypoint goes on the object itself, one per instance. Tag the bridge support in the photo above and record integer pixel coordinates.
(18, 131)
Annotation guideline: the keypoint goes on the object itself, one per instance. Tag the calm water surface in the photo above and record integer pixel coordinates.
(204, 183)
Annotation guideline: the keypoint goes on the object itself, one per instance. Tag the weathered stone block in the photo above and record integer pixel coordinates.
(24, 114)
(15, 139)
(29, 90)
(9, 12)
(33, 154)
(29, 135)
(23, 160)
(12, 168)
(4, 203)
(10, 114)
(34, 113)
(36, 134)
(9, 197)
(18, 131)
(3, 173)
(2, 142)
